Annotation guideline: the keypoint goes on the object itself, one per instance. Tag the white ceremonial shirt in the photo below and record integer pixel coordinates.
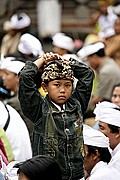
(17, 133)
(101, 171)
(115, 160)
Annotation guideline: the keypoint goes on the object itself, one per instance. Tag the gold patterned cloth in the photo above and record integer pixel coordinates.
(57, 70)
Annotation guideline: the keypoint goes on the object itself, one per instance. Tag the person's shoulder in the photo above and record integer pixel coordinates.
(106, 173)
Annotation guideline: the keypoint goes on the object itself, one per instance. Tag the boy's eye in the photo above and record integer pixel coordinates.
(68, 85)
(56, 84)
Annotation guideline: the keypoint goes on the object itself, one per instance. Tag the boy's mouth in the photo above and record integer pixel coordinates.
(62, 97)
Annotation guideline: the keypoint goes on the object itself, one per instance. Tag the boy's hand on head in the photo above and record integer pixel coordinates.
(49, 57)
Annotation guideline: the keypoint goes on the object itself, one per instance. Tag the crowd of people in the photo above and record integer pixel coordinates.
(60, 110)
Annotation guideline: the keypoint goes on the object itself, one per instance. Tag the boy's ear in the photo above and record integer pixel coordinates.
(44, 86)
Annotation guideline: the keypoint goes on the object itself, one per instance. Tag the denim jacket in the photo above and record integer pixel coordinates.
(58, 133)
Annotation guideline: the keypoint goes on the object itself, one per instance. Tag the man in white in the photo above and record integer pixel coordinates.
(108, 116)
(16, 131)
(97, 155)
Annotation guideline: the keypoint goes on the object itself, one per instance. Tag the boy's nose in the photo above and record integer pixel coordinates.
(62, 89)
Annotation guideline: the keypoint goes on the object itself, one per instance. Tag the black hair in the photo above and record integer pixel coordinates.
(104, 152)
(113, 129)
(40, 167)
(100, 53)
(116, 85)
(4, 92)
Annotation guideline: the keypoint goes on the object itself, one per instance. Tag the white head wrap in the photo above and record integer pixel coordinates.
(30, 45)
(108, 112)
(12, 65)
(94, 137)
(20, 21)
(90, 49)
(63, 41)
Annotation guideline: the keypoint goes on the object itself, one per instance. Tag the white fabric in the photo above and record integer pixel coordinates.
(116, 9)
(101, 171)
(90, 49)
(94, 137)
(108, 33)
(12, 65)
(62, 41)
(16, 132)
(20, 21)
(49, 17)
(10, 172)
(106, 112)
(107, 21)
(115, 160)
(30, 45)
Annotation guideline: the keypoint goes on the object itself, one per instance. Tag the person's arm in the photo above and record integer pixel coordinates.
(85, 76)
(28, 93)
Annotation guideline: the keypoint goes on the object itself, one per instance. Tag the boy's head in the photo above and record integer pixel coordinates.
(57, 70)
(58, 81)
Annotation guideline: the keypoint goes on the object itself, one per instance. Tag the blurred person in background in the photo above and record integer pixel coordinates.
(16, 132)
(30, 47)
(113, 45)
(5, 145)
(64, 45)
(10, 68)
(18, 24)
(101, 19)
(107, 70)
(107, 75)
(4, 93)
(115, 98)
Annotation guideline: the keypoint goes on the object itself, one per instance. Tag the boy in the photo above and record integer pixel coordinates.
(57, 118)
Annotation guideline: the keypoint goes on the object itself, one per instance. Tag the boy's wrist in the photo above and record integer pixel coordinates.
(40, 62)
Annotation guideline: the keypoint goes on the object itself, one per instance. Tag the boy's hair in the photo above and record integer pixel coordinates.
(40, 167)
(57, 70)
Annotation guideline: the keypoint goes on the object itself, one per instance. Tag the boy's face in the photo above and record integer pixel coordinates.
(59, 90)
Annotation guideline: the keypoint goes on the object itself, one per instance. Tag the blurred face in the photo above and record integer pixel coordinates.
(103, 8)
(89, 160)
(92, 61)
(103, 127)
(59, 90)
(117, 26)
(116, 96)
(59, 50)
(10, 80)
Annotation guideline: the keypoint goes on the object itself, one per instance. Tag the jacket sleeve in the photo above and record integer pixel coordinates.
(83, 89)
(28, 94)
